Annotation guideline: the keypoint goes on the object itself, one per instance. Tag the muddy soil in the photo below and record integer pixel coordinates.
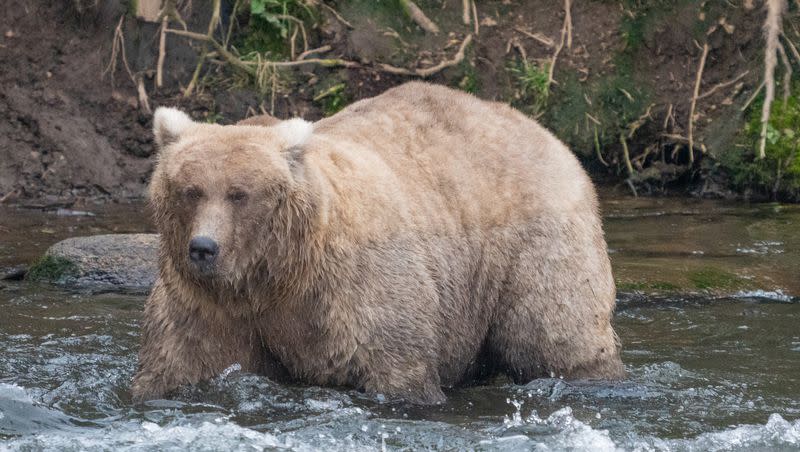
(72, 131)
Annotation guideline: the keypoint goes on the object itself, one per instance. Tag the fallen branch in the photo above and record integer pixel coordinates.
(722, 85)
(697, 82)
(465, 11)
(419, 17)
(427, 72)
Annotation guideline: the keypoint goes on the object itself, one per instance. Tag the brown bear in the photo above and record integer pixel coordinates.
(417, 240)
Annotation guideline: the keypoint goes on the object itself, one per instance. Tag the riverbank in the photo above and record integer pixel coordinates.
(79, 82)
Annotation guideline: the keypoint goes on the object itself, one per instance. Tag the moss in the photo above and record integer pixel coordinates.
(642, 286)
(51, 268)
(713, 278)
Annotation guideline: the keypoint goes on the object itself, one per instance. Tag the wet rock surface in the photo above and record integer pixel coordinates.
(125, 262)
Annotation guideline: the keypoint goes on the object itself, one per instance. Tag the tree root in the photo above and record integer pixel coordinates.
(714, 88)
(772, 28)
(566, 29)
(427, 72)
(419, 17)
(697, 82)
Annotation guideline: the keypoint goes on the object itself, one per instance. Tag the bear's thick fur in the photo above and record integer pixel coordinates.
(419, 239)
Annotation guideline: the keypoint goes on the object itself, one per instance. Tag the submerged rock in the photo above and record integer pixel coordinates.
(126, 262)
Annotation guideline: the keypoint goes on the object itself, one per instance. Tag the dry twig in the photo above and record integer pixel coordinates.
(465, 14)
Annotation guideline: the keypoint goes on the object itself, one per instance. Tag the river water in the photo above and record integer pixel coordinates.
(707, 316)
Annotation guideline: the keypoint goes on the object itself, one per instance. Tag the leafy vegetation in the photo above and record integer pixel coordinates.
(779, 172)
(532, 80)
(332, 99)
(272, 23)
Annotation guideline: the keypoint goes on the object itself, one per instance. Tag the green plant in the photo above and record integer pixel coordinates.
(778, 174)
(532, 82)
(274, 26)
(469, 82)
(51, 268)
(332, 99)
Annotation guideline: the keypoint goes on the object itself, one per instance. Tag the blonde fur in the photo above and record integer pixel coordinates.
(419, 239)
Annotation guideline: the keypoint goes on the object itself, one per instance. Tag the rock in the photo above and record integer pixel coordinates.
(16, 273)
(126, 262)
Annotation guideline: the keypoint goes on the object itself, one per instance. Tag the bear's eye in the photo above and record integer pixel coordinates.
(237, 196)
(192, 193)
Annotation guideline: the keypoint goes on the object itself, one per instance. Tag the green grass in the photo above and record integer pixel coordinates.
(51, 268)
(531, 80)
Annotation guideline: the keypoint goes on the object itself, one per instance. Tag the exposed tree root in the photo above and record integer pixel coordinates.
(697, 82)
(427, 72)
(718, 86)
(787, 73)
(162, 52)
(566, 29)
(419, 17)
(542, 39)
(772, 29)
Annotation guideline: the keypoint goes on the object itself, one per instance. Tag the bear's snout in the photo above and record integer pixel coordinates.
(203, 252)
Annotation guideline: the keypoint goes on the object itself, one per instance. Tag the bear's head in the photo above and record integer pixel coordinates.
(224, 195)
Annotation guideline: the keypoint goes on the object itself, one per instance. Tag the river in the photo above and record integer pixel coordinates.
(708, 317)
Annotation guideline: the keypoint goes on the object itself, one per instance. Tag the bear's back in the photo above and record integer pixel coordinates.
(455, 160)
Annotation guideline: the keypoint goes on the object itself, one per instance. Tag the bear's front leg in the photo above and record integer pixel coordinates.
(185, 341)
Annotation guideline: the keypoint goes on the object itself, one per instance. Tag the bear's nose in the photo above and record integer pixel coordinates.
(203, 250)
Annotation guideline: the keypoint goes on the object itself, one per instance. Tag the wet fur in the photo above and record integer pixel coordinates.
(415, 240)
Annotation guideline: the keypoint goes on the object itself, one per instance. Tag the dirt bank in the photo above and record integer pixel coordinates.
(71, 130)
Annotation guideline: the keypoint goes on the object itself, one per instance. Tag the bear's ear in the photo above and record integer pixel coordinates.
(169, 124)
(295, 132)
